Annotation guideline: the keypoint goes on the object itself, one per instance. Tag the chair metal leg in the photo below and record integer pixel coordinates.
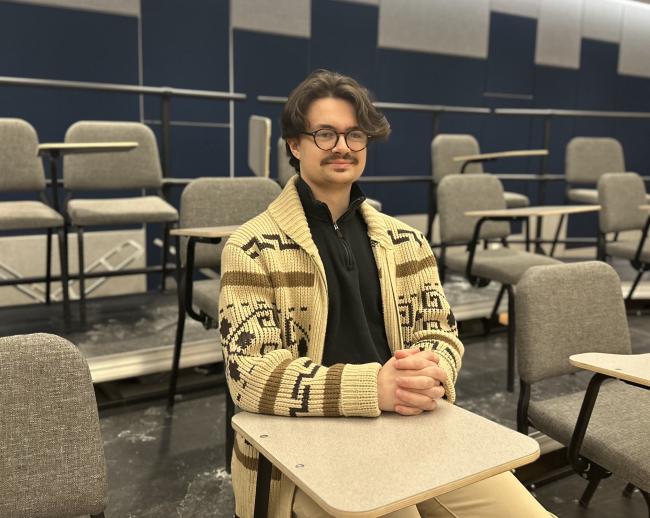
(178, 344)
(263, 487)
(82, 276)
(63, 259)
(646, 497)
(230, 433)
(48, 266)
(637, 279)
(511, 339)
(497, 303)
(165, 257)
(629, 489)
(589, 492)
(556, 237)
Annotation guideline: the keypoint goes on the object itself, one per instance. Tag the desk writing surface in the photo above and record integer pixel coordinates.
(501, 154)
(85, 147)
(629, 367)
(371, 466)
(224, 231)
(545, 210)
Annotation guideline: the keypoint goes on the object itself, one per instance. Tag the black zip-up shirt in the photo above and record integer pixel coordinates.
(355, 321)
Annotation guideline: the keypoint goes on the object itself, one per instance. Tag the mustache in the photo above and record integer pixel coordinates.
(331, 158)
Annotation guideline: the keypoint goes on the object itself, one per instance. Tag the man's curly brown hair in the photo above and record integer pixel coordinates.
(325, 83)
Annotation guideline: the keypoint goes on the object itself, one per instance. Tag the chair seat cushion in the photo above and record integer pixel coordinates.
(583, 195)
(205, 296)
(627, 250)
(514, 200)
(121, 211)
(19, 215)
(619, 429)
(502, 265)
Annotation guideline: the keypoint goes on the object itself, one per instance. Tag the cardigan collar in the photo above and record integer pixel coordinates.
(288, 213)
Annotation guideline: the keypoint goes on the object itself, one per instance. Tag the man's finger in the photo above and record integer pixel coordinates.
(416, 382)
(407, 410)
(404, 353)
(415, 399)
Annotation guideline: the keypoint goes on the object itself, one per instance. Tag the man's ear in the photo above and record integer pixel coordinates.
(293, 147)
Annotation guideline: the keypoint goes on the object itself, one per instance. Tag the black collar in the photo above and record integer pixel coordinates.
(317, 209)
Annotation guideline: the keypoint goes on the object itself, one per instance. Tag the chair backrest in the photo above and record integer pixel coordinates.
(208, 202)
(458, 194)
(620, 195)
(137, 168)
(20, 167)
(285, 169)
(259, 145)
(444, 147)
(51, 451)
(567, 309)
(588, 158)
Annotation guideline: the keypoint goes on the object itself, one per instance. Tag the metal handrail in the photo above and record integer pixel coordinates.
(552, 112)
(120, 88)
(165, 92)
(434, 109)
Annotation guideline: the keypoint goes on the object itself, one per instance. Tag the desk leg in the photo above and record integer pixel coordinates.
(263, 487)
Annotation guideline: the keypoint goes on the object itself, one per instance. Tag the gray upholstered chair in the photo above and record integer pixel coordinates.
(21, 171)
(445, 147)
(51, 451)
(210, 202)
(259, 145)
(285, 169)
(586, 160)
(620, 195)
(458, 194)
(134, 170)
(570, 309)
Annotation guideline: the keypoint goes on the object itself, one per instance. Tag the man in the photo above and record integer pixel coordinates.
(330, 308)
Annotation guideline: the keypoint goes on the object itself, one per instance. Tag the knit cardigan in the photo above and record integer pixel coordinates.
(273, 318)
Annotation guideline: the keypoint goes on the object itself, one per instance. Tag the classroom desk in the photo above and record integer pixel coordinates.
(489, 157)
(365, 467)
(634, 368)
(54, 150)
(205, 232)
(539, 213)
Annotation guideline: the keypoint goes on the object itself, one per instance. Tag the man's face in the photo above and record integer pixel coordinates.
(338, 166)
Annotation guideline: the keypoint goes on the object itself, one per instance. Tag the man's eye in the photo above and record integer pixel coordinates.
(357, 135)
(326, 134)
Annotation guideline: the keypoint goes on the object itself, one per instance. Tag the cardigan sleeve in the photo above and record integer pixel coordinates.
(264, 374)
(435, 328)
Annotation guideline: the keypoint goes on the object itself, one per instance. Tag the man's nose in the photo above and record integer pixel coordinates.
(341, 145)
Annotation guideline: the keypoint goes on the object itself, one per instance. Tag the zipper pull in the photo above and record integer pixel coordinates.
(337, 230)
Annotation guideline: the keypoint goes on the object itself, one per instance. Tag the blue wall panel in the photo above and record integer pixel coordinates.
(344, 38)
(265, 64)
(186, 48)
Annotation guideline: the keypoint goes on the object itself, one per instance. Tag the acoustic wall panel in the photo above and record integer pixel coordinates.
(602, 20)
(286, 17)
(454, 27)
(353, 54)
(529, 8)
(634, 56)
(558, 33)
(122, 7)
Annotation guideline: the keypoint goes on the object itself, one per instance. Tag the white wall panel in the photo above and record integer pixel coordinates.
(455, 27)
(528, 8)
(285, 17)
(602, 20)
(634, 51)
(559, 32)
(122, 7)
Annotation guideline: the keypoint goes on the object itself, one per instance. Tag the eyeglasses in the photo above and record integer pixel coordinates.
(326, 139)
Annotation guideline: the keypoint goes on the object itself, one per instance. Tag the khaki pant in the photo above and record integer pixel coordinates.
(500, 496)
